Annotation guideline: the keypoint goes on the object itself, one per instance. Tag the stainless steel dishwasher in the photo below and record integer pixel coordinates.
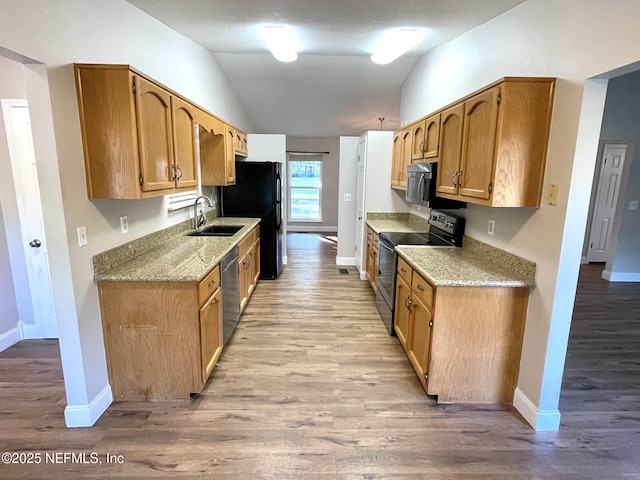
(230, 294)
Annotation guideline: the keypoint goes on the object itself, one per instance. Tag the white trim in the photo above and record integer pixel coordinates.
(87, 415)
(583, 260)
(29, 331)
(284, 260)
(621, 276)
(9, 338)
(345, 261)
(540, 420)
(292, 228)
(363, 275)
(606, 275)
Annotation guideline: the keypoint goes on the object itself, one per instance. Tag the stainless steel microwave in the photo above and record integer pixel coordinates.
(421, 187)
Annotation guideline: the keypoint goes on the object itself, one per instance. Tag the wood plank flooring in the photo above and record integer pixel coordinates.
(312, 387)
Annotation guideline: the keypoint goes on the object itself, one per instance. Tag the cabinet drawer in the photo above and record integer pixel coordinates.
(422, 289)
(245, 244)
(404, 270)
(208, 285)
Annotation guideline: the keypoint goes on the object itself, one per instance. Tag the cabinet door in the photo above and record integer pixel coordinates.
(374, 268)
(478, 145)
(211, 333)
(417, 141)
(420, 338)
(230, 156)
(184, 143)
(450, 149)
(153, 114)
(368, 260)
(244, 278)
(431, 136)
(402, 312)
(255, 264)
(396, 158)
(407, 135)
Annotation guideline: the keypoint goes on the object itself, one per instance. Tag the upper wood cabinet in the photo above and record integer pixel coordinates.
(425, 138)
(217, 157)
(450, 148)
(396, 159)
(492, 145)
(138, 138)
(505, 132)
(399, 175)
(240, 143)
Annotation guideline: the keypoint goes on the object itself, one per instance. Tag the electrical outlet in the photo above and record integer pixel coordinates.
(82, 236)
(347, 197)
(124, 224)
(492, 227)
(633, 205)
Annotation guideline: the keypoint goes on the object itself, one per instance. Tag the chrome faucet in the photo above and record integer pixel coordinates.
(200, 220)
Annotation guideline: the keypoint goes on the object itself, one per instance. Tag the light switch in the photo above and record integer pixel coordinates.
(633, 205)
(347, 197)
(553, 194)
(82, 236)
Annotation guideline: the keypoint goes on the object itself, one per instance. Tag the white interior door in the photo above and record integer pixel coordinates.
(360, 211)
(606, 198)
(25, 177)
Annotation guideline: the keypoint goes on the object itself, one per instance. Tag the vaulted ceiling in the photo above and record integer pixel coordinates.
(333, 88)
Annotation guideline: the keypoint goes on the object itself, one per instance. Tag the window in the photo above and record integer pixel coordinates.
(305, 188)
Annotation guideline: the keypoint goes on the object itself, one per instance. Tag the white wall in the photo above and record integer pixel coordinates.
(330, 173)
(272, 148)
(621, 124)
(348, 183)
(15, 298)
(539, 38)
(58, 34)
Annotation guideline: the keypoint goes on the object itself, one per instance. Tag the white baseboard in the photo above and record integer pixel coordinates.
(10, 337)
(87, 415)
(621, 276)
(310, 228)
(583, 260)
(345, 261)
(363, 275)
(284, 259)
(540, 420)
(29, 331)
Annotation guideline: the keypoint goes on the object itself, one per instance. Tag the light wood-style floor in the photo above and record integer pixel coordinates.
(312, 387)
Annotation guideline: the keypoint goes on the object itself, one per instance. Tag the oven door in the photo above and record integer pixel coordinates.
(385, 296)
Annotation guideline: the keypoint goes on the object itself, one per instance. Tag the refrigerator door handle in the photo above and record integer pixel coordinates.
(278, 215)
(278, 188)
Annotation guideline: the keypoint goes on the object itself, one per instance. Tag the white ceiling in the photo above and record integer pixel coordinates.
(333, 88)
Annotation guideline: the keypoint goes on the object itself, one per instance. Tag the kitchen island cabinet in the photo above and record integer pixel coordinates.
(161, 305)
(462, 332)
(162, 339)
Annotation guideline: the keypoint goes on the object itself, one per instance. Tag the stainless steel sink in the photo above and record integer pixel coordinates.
(216, 231)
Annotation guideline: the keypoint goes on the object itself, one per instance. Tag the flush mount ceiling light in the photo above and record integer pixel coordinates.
(395, 43)
(281, 41)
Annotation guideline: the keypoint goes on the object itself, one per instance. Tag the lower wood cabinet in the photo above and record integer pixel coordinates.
(464, 343)
(249, 262)
(162, 339)
(371, 261)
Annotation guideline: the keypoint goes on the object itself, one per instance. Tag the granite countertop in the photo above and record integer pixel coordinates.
(467, 267)
(394, 222)
(475, 264)
(178, 258)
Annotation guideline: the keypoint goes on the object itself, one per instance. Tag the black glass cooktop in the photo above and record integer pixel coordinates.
(407, 238)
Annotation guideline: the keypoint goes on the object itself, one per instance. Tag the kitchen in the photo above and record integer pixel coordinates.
(557, 263)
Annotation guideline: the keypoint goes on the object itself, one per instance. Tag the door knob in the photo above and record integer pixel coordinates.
(35, 243)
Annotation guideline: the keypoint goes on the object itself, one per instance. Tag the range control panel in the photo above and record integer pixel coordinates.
(446, 222)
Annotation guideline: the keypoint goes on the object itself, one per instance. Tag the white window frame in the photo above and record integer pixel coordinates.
(301, 157)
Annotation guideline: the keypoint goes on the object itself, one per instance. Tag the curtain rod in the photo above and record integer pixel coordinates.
(307, 153)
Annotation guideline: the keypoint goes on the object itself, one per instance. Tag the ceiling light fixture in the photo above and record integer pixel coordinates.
(396, 43)
(281, 41)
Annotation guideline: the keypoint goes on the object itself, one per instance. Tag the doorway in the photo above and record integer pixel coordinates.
(25, 177)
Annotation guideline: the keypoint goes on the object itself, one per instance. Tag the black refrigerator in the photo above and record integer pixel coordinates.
(258, 194)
